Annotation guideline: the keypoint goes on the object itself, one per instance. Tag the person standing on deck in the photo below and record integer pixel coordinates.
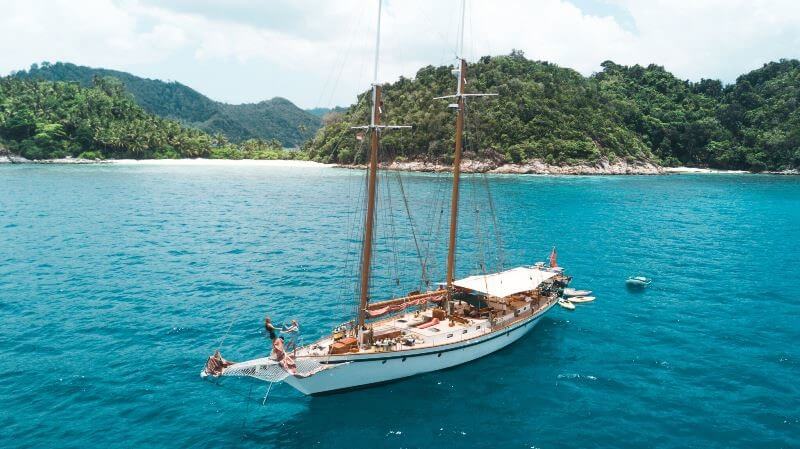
(293, 331)
(269, 328)
(270, 331)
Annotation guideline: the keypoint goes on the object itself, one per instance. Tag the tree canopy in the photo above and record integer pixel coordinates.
(43, 119)
(556, 115)
(543, 112)
(277, 118)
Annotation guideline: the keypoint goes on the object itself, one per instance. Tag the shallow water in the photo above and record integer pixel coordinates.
(116, 282)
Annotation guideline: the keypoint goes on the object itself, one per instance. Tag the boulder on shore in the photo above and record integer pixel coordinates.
(7, 158)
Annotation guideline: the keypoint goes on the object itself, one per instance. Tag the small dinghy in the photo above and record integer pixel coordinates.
(566, 304)
(638, 281)
(568, 292)
(579, 299)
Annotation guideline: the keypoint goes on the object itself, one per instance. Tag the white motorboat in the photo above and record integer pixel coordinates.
(580, 299)
(568, 292)
(638, 281)
(566, 304)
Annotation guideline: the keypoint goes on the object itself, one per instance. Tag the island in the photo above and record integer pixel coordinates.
(545, 119)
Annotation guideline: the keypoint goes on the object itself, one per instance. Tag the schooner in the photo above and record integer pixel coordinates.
(460, 321)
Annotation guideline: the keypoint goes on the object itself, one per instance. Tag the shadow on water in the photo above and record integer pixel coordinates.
(635, 289)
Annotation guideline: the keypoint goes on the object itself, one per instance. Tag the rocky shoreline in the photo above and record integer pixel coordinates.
(14, 159)
(536, 167)
(529, 168)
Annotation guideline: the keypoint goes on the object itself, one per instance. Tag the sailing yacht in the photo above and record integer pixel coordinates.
(461, 321)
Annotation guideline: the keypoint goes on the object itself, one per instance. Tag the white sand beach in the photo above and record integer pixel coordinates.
(171, 162)
(220, 162)
(692, 170)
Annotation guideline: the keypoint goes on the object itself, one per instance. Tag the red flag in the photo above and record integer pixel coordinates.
(553, 257)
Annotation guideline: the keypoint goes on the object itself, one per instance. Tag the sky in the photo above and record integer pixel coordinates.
(319, 53)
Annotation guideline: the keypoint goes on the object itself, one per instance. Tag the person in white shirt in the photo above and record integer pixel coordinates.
(293, 331)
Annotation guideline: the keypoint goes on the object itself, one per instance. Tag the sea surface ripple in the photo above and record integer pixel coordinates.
(116, 282)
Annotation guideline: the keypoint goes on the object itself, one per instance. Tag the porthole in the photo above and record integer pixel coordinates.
(384, 362)
(464, 331)
(439, 354)
(404, 359)
(449, 335)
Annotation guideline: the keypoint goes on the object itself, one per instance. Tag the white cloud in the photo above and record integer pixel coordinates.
(714, 38)
(315, 51)
(93, 31)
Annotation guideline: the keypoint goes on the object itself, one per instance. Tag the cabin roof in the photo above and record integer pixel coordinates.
(506, 283)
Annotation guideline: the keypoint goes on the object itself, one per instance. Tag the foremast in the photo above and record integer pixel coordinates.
(369, 218)
(451, 247)
(374, 128)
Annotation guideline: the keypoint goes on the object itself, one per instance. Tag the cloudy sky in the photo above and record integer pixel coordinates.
(318, 53)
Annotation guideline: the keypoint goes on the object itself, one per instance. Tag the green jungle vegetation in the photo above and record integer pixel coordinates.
(54, 119)
(322, 112)
(543, 112)
(277, 118)
(556, 115)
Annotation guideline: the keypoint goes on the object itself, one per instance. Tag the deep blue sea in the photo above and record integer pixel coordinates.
(116, 283)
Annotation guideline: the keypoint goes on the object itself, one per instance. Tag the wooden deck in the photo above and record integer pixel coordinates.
(401, 332)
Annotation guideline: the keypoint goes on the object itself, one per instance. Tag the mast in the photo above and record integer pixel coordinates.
(460, 104)
(372, 180)
(451, 248)
(369, 219)
(462, 73)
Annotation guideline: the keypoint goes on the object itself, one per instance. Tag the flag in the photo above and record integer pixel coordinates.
(553, 257)
(360, 136)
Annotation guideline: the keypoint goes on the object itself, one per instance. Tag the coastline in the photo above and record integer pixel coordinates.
(708, 171)
(530, 168)
(222, 162)
(199, 162)
(536, 167)
(603, 168)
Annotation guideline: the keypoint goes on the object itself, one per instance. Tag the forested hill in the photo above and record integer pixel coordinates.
(322, 112)
(55, 119)
(556, 115)
(277, 118)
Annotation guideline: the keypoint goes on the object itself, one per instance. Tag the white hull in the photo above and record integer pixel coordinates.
(377, 368)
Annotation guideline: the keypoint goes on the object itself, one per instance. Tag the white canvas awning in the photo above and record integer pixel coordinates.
(505, 283)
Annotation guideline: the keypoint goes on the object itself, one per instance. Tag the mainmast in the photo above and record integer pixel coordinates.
(372, 179)
(460, 97)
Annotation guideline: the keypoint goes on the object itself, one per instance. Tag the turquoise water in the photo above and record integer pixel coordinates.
(117, 281)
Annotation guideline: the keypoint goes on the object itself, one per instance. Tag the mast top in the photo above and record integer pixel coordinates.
(461, 30)
(462, 62)
(377, 45)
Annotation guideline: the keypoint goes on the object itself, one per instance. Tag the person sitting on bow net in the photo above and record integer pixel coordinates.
(216, 364)
(279, 355)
